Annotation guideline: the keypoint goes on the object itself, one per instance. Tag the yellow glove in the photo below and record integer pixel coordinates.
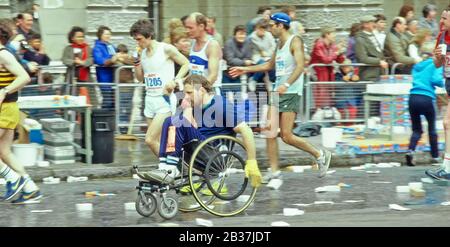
(252, 172)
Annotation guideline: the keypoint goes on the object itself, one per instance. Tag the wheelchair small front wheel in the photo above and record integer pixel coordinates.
(146, 204)
(168, 208)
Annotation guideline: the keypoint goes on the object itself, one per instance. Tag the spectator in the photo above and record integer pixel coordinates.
(396, 47)
(38, 54)
(211, 30)
(124, 58)
(407, 12)
(411, 29)
(422, 37)
(421, 103)
(349, 97)
(180, 39)
(262, 13)
(263, 47)
(356, 27)
(237, 52)
(369, 51)
(295, 25)
(35, 11)
(104, 54)
(16, 45)
(380, 29)
(25, 24)
(428, 21)
(183, 19)
(173, 24)
(77, 56)
(325, 51)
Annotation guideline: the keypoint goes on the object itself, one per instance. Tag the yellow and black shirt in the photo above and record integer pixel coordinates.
(6, 78)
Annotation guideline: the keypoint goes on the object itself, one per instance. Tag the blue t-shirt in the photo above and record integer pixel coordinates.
(220, 117)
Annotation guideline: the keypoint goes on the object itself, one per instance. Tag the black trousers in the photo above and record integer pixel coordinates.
(423, 105)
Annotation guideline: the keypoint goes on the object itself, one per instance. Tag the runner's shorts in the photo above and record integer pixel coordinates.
(286, 102)
(158, 105)
(9, 115)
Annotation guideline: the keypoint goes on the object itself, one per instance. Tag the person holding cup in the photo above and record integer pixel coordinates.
(77, 56)
(442, 59)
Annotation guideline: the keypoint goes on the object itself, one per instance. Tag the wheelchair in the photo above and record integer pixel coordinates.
(215, 166)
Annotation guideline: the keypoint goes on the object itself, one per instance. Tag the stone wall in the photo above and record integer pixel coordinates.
(118, 15)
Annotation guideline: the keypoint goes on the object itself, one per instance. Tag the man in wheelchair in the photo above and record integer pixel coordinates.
(203, 115)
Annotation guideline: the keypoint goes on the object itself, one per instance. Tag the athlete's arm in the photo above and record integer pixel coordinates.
(297, 51)
(138, 70)
(214, 53)
(237, 71)
(248, 138)
(13, 66)
(180, 59)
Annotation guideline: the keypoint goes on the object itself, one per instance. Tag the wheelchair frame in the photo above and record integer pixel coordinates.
(146, 202)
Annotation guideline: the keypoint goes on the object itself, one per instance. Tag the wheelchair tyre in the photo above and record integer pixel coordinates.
(233, 141)
(168, 208)
(146, 204)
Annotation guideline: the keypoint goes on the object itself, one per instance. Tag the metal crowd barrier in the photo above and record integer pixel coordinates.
(334, 101)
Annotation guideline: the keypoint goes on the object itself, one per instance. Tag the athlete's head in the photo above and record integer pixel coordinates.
(279, 23)
(445, 20)
(143, 32)
(196, 25)
(195, 88)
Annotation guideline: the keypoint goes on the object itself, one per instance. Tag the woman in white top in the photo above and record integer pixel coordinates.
(422, 36)
(155, 66)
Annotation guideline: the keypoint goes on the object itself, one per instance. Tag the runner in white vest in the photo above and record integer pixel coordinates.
(155, 67)
(206, 54)
(443, 42)
(288, 61)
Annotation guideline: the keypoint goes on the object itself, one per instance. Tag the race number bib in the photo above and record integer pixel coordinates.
(197, 69)
(280, 67)
(153, 81)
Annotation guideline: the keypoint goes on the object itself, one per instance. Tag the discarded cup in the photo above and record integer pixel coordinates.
(323, 202)
(84, 207)
(373, 172)
(275, 184)
(242, 198)
(298, 169)
(280, 224)
(51, 180)
(398, 207)
(402, 189)
(331, 188)
(427, 180)
(130, 206)
(71, 179)
(2, 181)
(415, 185)
(292, 212)
(203, 222)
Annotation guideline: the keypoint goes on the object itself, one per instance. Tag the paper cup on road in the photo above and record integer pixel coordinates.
(130, 206)
(292, 212)
(415, 186)
(84, 207)
(402, 189)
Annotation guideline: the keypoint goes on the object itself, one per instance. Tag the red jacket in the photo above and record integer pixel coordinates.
(322, 53)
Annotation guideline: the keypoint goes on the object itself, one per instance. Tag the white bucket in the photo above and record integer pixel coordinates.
(330, 136)
(26, 154)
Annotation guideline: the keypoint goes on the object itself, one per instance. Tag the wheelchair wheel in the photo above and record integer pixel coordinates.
(188, 203)
(217, 157)
(146, 204)
(168, 208)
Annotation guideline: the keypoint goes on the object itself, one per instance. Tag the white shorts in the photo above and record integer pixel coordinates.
(157, 105)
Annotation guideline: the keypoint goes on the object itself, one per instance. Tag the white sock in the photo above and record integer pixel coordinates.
(446, 163)
(30, 186)
(9, 174)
